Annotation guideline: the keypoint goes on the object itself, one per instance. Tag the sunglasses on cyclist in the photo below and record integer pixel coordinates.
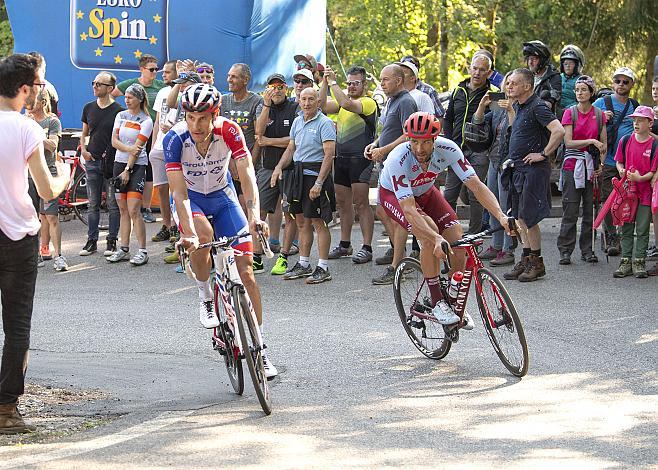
(205, 70)
(354, 83)
(152, 69)
(303, 81)
(304, 65)
(97, 84)
(277, 87)
(619, 81)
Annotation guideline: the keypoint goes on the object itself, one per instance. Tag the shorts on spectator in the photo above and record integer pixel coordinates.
(348, 171)
(529, 193)
(49, 207)
(432, 203)
(320, 208)
(159, 173)
(135, 186)
(269, 197)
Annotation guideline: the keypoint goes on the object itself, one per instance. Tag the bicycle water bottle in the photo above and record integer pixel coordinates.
(455, 284)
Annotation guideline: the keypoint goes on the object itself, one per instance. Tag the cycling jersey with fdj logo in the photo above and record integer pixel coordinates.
(403, 175)
(207, 174)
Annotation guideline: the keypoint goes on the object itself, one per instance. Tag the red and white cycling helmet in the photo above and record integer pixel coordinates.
(200, 98)
(422, 125)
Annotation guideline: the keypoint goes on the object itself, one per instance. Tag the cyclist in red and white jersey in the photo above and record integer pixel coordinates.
(197, 154)
(409, 197)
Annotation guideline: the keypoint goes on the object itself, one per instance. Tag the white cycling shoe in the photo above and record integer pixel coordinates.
(444, 313)
(270, 370)
(207, 314)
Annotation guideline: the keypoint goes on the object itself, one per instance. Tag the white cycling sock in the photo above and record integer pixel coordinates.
(324, 264)
(204, 290)
(305, 261)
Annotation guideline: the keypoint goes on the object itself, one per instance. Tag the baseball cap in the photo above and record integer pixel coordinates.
(642, 112)
(308, 58)
(320, 67)
(275, 76)
(412, 59)
(305, 73)
(410, 66)
(188, 77)
(625, 71)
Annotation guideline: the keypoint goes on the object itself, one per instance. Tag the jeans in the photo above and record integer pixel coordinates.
(18, 276)
(95, 183)
(500, 239)
(454, 186)
(639, 228)
(571, 198)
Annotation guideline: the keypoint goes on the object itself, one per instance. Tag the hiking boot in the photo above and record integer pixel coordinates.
(11, 421)
(387, 258)
(340, 252)
(110, 247)
(147, 215)
(207, 315)
(590, 258)
(565, 258)
(362, 256)
(386, 278)
(60, 264)
(258, 266)
(172, 258)
(640, 268)
(517, 270)
(489, 253)
(503, 258)
(162, 236)
(280, 267)
(174, 234)
(653, 271)
(270, 370)
(297, 272)
(44, 251)
(625, 268)
(89, 248)
(140, 259)
(534, 269)
(119, 255)
(319, 275)
(614, 249)
(444, 313)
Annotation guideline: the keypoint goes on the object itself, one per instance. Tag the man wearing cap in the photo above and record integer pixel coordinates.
(464, 101)
(618, 108)
(308, 62)
(303, 79)
(426, 88)
(273, 136)
(423, 101)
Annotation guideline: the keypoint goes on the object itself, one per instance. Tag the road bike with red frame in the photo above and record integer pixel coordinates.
(499, 316)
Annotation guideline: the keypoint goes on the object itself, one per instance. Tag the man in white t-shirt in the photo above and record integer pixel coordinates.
(22, 148)
(423, 101)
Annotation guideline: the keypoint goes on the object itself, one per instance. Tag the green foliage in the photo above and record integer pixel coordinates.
(6, 37)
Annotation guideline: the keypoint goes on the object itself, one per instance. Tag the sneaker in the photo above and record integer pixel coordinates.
(489, 254)
(174, 234)
(565, 259)
(387, 258)
(517, 270)
(319, 276)
(468, 322)
(340, 252)
(110, 247)
(590, 258)
(294, 250)
(119, 255)
(207, 314)
(44, 251)
(503, 258)
(280, 266)
(172, 258)
(415, 254)
(162, 236)
(40, 262)
(444, 313)
(258, 266)
(534, 269)
(171, 248)
(11, 421)
(297, 271)
(640, 268)
(625, 268)
(386, 278)
(60, 264)
(89, 248)
(140, 259)
(275, 247)
(270, 370)
(147, 215)
(362, 256)
(652, 252)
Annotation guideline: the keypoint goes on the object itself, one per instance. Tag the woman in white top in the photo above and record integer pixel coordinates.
(132, 129)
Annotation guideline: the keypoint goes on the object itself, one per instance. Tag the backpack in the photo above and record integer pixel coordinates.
(623, 143)
(597, 112)
(613, 126)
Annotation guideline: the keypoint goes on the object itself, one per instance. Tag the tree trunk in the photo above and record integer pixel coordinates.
(443, 45)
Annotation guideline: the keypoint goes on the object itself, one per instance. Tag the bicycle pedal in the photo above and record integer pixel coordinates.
(415, 323)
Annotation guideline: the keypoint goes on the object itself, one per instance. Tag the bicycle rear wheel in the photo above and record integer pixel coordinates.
(252, 348)
(502, 323)
(80, 202)
(412, 297)
(232, 359)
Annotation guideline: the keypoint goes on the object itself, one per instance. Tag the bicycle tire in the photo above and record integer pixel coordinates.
(232, 359)
(437, 345)
(79, 195)
(252, 351)
(509, 323)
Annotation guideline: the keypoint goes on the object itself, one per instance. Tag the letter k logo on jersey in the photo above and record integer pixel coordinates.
(399, 181)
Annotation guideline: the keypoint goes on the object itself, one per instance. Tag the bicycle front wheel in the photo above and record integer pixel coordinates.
(502, 323)
(413, 301)
(232, 359)
(252, 347)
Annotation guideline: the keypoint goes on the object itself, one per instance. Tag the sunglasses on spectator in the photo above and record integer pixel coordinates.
(205, 70)
(276, 87)
(303, 81)
(619, 81)
(304, 65)
(97, 84)
(152, 69)
(40, 85)
(354, 83)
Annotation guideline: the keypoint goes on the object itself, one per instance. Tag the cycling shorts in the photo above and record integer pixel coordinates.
(431, 203)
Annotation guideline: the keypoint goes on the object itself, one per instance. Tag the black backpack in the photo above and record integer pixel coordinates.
(613, 126)
(623, 143)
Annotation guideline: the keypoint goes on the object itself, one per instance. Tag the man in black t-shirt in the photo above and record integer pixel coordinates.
(273, 135)
(97, 123)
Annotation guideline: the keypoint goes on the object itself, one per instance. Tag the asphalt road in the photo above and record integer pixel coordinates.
(352, 390)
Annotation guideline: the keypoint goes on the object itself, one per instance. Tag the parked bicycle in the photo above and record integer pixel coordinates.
(238, 335)
(499, 316)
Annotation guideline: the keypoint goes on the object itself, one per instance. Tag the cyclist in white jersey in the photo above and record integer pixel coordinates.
(197, 154)
(409, 197)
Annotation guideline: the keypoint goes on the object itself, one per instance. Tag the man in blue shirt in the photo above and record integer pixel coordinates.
(312, 149)
(617, 108)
